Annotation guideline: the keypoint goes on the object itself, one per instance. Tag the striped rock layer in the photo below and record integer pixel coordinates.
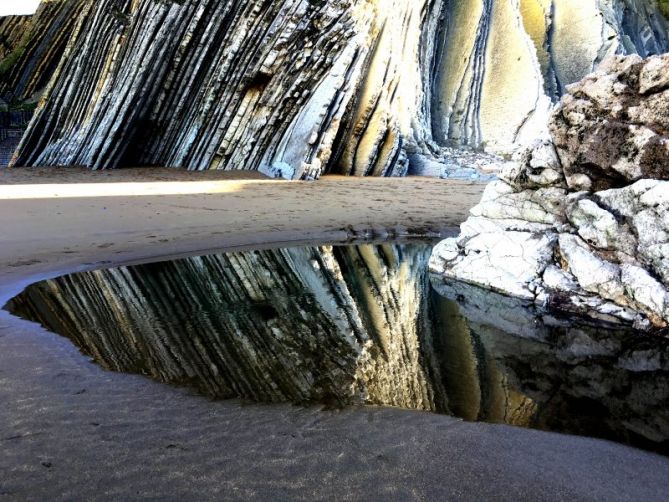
(298, 88)
(12, 29)
(31, 48)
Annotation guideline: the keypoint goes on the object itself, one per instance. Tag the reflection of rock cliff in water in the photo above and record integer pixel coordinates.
(560, 374)
(355, 325)
(339, 325)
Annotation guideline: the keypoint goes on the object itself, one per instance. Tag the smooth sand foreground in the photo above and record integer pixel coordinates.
(71, 431)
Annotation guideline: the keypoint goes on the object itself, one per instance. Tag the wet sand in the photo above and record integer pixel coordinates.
(70, 430)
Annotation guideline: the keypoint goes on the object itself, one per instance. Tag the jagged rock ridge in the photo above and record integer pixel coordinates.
(580, 222)
(298, 88)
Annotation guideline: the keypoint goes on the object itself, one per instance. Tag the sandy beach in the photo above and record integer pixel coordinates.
(55, 221)
(67, 427)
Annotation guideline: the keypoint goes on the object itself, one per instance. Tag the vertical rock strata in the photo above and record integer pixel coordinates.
(297, 88)
(234, 85)
(12, 31)
(31, 48)
(580, 222)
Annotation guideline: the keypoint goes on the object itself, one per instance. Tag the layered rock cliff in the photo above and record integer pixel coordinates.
(580, 223)
(31, 48)
(298, 88)
(12, 31)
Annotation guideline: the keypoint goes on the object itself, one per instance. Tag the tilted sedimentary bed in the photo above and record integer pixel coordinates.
(581, 223)
(31, 48)
(299, 88)
(12, 31)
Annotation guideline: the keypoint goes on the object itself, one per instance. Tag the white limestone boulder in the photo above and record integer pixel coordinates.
(582, 224)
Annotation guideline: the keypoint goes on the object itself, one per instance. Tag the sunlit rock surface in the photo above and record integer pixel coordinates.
(360, 325)
(298, 88)
(580, 223)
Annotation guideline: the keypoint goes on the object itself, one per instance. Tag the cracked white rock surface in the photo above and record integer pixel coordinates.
(559, 230)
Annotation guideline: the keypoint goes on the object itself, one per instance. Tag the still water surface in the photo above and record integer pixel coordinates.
(363, 324)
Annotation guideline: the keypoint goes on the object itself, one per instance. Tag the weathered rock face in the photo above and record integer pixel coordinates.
(235, 85)
(31, 48)
(612, 129)
(298, 88)
(582, 224)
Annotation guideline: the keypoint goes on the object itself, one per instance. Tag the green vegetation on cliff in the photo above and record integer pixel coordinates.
(8, 63)
(664, 7)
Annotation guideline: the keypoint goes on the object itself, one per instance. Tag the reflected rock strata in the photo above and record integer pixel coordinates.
(334, 325)
(564, 374)
(360, 325)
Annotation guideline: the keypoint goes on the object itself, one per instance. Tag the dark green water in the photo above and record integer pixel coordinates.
(358, 325)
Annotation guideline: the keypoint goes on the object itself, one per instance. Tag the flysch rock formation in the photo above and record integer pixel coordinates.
(31, 48)
(12, 30)
(298, 88)
(581, 223)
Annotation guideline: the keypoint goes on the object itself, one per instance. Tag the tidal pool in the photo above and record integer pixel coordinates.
(361, 325)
